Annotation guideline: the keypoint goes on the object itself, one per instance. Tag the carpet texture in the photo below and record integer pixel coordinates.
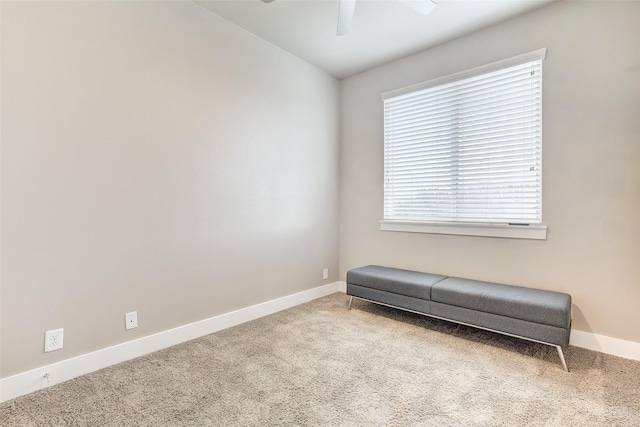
(320, 364)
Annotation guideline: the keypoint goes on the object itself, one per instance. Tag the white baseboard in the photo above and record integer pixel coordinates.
(33, 380)
(342, 287)
(30, 381)
(605, 344)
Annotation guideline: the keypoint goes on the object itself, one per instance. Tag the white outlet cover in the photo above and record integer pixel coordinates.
(131, 320)
(325, 273)
(53, 340)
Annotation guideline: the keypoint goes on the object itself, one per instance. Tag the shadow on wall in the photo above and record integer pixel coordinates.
(579, 318)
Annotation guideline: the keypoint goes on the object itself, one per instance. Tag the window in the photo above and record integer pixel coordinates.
(466, 150)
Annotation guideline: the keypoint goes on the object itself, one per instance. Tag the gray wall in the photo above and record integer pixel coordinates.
(591, 177)
(154, 158)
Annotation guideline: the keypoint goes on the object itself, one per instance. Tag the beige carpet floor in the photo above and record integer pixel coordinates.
(320, 364)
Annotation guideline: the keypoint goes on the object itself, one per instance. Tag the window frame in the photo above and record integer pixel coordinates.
(503, 230)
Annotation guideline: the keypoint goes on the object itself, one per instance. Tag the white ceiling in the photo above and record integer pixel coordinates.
(381, 30)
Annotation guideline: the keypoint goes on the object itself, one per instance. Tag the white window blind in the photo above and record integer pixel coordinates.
(467, 148)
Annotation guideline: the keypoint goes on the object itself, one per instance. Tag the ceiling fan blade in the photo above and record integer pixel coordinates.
(345, 15)
(422, 6)
(267, 1)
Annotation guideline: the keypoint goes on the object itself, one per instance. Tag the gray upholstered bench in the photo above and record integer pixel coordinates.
(532, 314)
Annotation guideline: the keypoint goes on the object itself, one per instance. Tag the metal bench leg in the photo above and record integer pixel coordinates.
(564, 363)
(350, 301)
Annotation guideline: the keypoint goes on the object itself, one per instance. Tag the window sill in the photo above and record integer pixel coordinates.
(535, 232)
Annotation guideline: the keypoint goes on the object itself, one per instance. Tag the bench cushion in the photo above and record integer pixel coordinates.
(403, 282)
(508, 325)
(534, 305)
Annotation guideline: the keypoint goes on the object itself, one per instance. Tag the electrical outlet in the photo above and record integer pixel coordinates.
(53, 340)
(325, 273)
(131, 320)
